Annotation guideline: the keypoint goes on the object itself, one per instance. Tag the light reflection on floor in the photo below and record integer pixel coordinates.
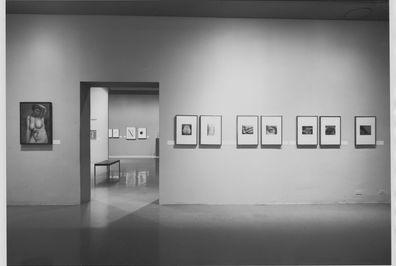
(124, 225)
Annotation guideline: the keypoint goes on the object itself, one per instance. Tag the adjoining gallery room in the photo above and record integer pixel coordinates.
(198, 132)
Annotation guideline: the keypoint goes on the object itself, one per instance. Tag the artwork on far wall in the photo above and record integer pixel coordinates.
(110, 132)
(142, 133)
(271, 130)
(307, 130)
(92, 134)
(330, 130)
(116, 133)
(186, 129)
(210, 130)
(365, 130)
(247, 130)
(131, 133)
(35, 123)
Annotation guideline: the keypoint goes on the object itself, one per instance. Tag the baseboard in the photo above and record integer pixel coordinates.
(133, 156)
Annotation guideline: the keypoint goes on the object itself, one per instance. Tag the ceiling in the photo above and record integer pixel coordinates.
(286, 9)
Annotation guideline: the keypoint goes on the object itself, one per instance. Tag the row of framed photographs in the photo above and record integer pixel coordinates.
(130, 133)
(307, 130)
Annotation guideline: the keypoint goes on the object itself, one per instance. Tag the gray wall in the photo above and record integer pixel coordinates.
(207, 66)
(133, 110)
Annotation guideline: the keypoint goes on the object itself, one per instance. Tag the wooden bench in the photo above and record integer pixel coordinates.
(107, 163)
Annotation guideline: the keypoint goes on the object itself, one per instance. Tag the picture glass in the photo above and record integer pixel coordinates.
(142, 133)
(130, 133)
(330, 130)
(210, 130)
(271, 130)
(116, 133)
(365, 130)
(186, 129)
(307, 127)
(35, 123)
(247, 130)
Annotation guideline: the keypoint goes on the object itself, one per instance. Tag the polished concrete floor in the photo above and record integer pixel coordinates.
(124, 225)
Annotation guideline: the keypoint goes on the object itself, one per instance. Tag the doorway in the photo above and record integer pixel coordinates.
(124, 130)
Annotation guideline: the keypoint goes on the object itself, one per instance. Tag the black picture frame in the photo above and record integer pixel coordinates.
(221, 130)
(39, 116)
(244, 144)
(281, 132)
(338, 144)
(306, 145)
(365, 145)
(178, 138)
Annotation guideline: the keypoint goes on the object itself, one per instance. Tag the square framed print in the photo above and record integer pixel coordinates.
(330, 130)
(35, 123)
(271, 130)
(247, 130)
(131, 133)
(142, 133)
(186, 129)
(365, 130)
(307, 130)
(116, 133)
(210, 130)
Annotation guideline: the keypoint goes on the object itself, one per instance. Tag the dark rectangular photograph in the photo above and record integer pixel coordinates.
(365, 130)
(307, 130)
(247, 130)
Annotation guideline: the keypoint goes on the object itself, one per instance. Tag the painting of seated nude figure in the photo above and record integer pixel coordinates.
(35, 123)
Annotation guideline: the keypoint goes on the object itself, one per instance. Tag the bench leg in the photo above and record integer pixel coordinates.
(95, 175)
(119, 171)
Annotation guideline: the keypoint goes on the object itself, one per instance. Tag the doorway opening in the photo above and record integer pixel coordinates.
(119, 143)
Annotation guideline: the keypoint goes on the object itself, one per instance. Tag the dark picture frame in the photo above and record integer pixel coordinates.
(369, 138)
(186, 130)
(307, 131)
(243, 134)
(35, 124)
(207, 141)
(278, 141)
(329, 140)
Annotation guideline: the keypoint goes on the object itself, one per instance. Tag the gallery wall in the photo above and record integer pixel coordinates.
(207, 66)
(100, 124)
(137, 110)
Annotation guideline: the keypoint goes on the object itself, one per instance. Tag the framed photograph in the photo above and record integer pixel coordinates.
(330, 130)
(131, 133)
(365, 131)
(142, 133)
(35, 123)
(271, 130)
(116, 133)
(210, 130)
(247, 130)
(186, 129)
(93, 134)
(110, 132)
(307, 130)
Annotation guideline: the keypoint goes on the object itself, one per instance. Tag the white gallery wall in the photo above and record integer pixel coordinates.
(99, 123)
(208, 66)
(133, 110)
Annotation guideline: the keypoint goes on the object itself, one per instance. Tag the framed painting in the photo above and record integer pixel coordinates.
(131, 133)
(330, 130)
(35, 123)
(307, 130)
(271, 130)
(247, 130)
(142, 133)
(210, 130)
(365, 130)
(186, 129)
(110, 132)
